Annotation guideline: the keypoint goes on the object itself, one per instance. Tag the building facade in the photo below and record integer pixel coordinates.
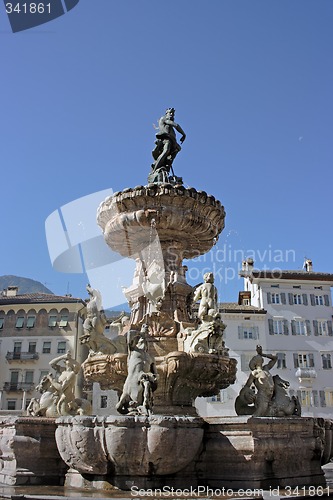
(34, 329)
(297, 327)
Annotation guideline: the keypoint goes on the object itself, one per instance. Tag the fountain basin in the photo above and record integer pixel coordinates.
(128, 445)
(182, 377)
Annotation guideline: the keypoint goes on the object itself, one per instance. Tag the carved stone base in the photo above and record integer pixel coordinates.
(264, 452)
(180, 452)
(28, 452)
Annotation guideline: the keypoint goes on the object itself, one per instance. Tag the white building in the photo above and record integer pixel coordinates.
(34, 328)
(297, 327)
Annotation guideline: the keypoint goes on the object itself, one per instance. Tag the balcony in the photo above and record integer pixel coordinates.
(18, 386)
(22, 356)
(306, 373)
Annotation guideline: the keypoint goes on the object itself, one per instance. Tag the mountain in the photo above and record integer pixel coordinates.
(25, 285)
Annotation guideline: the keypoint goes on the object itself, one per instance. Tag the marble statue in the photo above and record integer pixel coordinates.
(263, 394)
(207, 337)
(141, 380)
(94, 326)
(166, 147)
(58, 392)
(207, 294)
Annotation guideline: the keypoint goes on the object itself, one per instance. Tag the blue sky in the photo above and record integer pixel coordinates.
(251, 81)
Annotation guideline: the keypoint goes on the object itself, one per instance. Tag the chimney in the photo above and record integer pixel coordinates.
(247, 265)
(10, 291)
(308, 265)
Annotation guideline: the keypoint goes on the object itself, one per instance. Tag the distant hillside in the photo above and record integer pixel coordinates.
(25, 285)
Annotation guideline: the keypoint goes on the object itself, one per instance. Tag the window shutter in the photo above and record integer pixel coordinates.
(256, 332)
(315, 326)
(295, 355)
(312, 299)
(311, 360)
(330, 329)
(308, 327)
(293, 327)
(240, 331)
(326, 300)
(270, 327)
(291, 298)
(269, 298)
(285, 327)
(322, 398)
(283, 298)
(305, 299)
(315, 398)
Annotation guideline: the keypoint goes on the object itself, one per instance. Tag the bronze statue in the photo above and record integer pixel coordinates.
(166, 148)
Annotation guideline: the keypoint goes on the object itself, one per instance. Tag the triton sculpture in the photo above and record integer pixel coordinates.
(166, 148)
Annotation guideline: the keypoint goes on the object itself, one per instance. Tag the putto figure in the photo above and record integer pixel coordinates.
(166, 148)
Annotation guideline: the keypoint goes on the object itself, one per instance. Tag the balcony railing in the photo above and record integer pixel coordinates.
(306, 373)
(21, 356)
(18, 386)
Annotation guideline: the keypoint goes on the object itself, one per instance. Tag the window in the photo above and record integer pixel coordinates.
(61, 347)
(17, 350)
(278, 326)
(29, 377)
(20, 322)
(323, 327)
(46, 347)
(2, 320)
(31, 321)
(281, 360)
(318, 287)
(319, 300)
(248, 332)
(17, 346)
(11, 404)
(297, 286)
(329, 397)
(53, 321)
(275, 286)
(303, 360)
(275, 298)
(326, 361)
(300, 327)
(298, 299)
(306, 397)
(32, 347)
(64, 320)
(104, 401)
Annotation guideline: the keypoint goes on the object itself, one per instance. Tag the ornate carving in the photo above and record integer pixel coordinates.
(264, 395)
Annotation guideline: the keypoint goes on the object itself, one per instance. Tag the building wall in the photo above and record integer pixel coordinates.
(27, 346)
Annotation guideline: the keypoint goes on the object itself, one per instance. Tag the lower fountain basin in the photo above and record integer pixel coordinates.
(128, 445)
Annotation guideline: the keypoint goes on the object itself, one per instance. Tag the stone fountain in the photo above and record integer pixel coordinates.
(167, 353)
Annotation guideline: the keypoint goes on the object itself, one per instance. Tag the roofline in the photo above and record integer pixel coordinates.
(21, 300)
(279, 274)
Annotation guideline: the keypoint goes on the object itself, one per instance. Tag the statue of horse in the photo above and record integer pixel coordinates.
(282, 405)
(46, 406)
(52, 404)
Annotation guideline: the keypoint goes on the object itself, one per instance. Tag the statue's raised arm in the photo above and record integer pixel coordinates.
(166, 147)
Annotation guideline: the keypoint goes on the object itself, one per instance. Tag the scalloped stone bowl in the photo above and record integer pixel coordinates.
(131, 446)
(189, 218)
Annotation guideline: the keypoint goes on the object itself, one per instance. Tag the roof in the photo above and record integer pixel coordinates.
(280, 274)
(228, 307)
(38, 298)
